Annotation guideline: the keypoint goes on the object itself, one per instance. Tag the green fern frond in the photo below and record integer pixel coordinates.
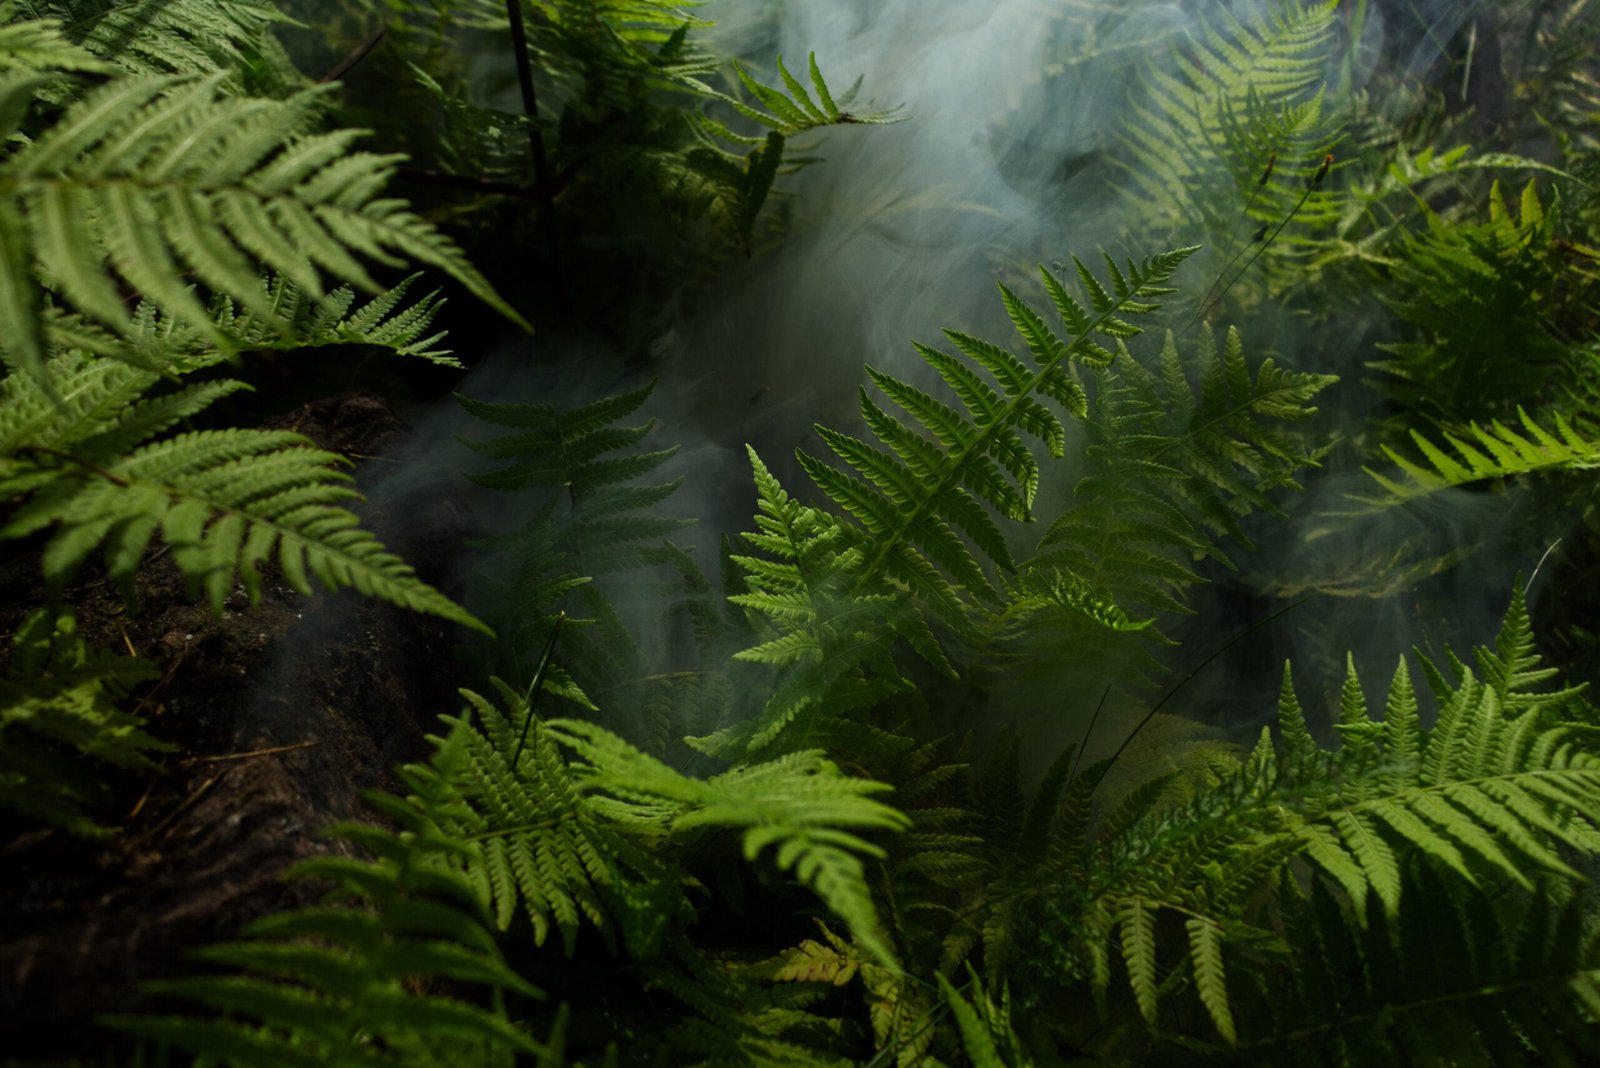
(1232, 135)
(527, 841)
(348, 981)
(801, 805)
(919, 506)
(167, 36)
(97, 473)
(385, 321)
(58, 711)
(35, 45)
(159, 177)
(1466, 980)
(592, 548)
(822, 634)
(1482, 453)
(793, 109)
(1175, 461)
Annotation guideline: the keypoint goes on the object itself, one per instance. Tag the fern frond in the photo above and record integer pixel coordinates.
(1482, 453)
(1232, 134)
(34, 45)
(347, 982)
(934, 481)
(217, 186)
(167, 36)
(57, 711)
(1175, 460)
(800, 804)
(97, 474)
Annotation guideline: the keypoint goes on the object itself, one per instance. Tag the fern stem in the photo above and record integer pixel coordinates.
(533, 688)
(355, 55)
(1211, 303)
(80, 461)
(530, 106)
(1229, 644)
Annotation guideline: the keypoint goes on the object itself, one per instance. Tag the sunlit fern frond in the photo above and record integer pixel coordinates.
(58, 697)
(1482, 453)
(147, 179)
(166, 36)
(96, 468)
(800, 805)
(528, 842)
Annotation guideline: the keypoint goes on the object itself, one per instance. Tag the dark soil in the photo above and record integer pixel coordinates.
(283, 712)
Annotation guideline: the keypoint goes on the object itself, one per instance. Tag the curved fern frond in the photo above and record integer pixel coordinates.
(167, 36)
(1482, 453)
(1176, 458)
(528, 842)
(148, 179)
(800, 805)
(96, 473)
(932, 483)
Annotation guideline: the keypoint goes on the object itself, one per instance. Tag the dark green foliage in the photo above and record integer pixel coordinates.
(1176, 460)
(217, 185)
(859, 855)
(348, 982)
(99, 468)
(1481, 301)
(58, 709)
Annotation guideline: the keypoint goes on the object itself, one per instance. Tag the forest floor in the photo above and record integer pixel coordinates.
(282, 714)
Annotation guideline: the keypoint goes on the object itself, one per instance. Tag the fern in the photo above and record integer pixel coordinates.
(1464, 982)
(347, 982)
(1231, 137)
(911, 499)
(167, 36)
(58, 711)
(1482, 453)
(1475, 294)
(595, 549)
(36, 45)
(1496, 798)
(529, 843)
(214, 185)
(800, 805)
(1173, 467)
(823, 634)
(98, 469)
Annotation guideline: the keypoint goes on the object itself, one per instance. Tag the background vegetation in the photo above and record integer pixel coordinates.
(1176, 655)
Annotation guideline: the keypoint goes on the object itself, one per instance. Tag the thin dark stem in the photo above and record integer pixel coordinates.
(530, 106)
(1267, 240)
(1084, 744)
(1229, 644)
(355, 55)
(533, 689)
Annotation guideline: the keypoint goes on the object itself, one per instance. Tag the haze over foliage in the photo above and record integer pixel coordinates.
(1027, 533)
